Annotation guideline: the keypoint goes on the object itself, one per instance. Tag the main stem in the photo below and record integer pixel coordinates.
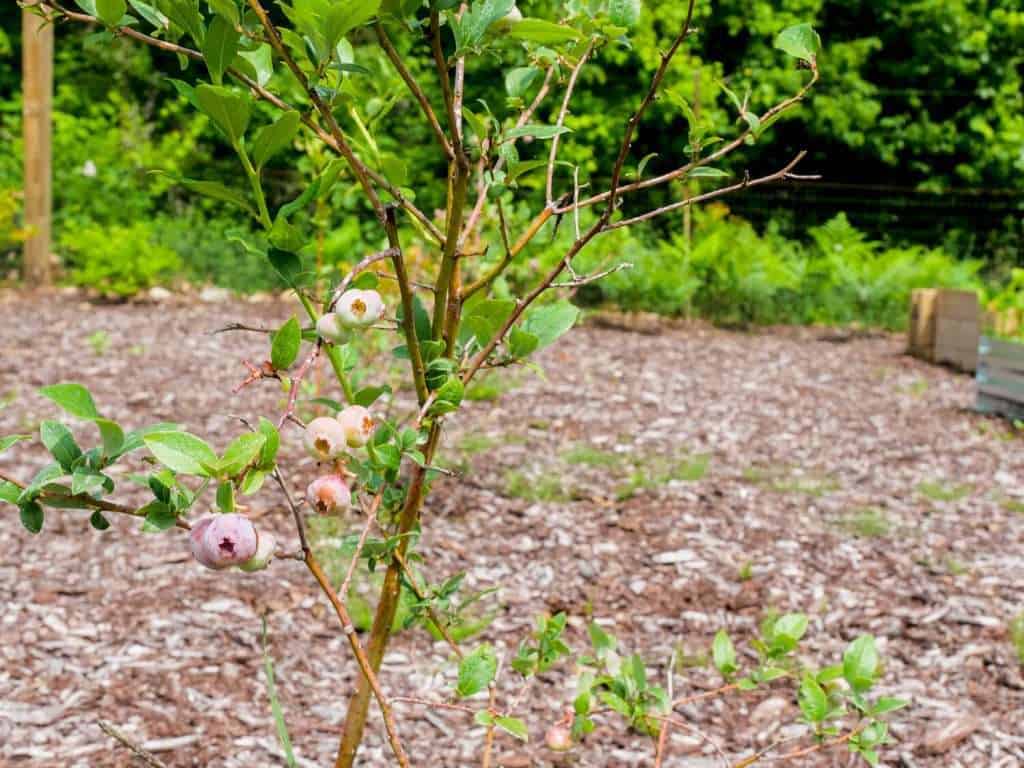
(387, 606)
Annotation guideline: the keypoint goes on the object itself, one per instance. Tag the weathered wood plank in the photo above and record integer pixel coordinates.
(1000, 377)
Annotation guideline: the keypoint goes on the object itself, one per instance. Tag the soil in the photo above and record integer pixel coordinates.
(667, 483)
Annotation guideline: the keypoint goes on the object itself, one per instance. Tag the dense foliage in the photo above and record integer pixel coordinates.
(918, 98)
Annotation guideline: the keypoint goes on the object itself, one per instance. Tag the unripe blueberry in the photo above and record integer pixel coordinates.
(330, 328)
(221, 541)
(264, 554)
(357, 424)
(558, 738)
(325, 438)
(328, 494)
(358, 309)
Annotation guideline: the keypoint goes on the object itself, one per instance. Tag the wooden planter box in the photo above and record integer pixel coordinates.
(1001, 377)
(945, 327)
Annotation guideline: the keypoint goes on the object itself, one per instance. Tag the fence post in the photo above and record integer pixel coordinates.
(37, 90)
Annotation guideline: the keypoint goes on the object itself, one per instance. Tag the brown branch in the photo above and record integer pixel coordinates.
(821, 746)
(494, 272)
(435, 704)
(242, 327)
(562, 112)
(705, 695)
(481, 198)
(361, 659)
(371, 518)
(634, 121)
(419, 375)
(359, 170)
(659, 754)
(136, 749)
(414, 88)
(262, 93)
(780, 175)
(721, 152)
(431, 613)
(489, 738)
(296, 383)
(87, 502)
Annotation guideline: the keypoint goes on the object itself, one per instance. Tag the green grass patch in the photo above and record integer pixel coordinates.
(866, 523)
(591, 457)
(519, 485)
(937, 491)
(657, 471)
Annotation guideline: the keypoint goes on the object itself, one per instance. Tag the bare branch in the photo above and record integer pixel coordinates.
(136, 749)
(560, 122)
(414, 88)
(634, 121)
(780, 175)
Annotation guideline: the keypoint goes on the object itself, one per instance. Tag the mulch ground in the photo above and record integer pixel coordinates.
(843, 479)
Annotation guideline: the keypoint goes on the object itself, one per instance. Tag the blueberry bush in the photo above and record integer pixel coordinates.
(268, 78)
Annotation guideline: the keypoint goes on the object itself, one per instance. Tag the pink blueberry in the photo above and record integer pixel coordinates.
(357, 424)
(221, 541)
(264, 554)
(329, 494)
(325, 438)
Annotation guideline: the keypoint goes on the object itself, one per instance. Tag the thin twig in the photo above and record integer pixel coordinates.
(414, 88)
(371, 518)
(780, 175)
(435, 704)
(296, 382)
(562, 112)
(136, 749)
(388, 253)
(431, 613)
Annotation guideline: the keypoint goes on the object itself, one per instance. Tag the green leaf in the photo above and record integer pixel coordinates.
(242, 451)
(885, 704)
(860, 663)
(470, 29)
(519, 79)
(285, 344)
(73, 398)
(32, 516)
(89, 6)
(43, 477)
(536, 131)
(185, 15)
(275, 137)
(813, 700)
(229, 110)
(98, 521)
(9, 492)
(159, 517)
(287, 265)
(181, 452)
(476, 671)
(86, 481)
(522, 343)
(262, 62)
(449, 396)
(268, 453)
(111, 11)
(150, 14)
(112, 436)
(226, 9)
(367, 396)
(786, 632)
(7, 442)
(723, 654)
(512, 726)
(219, 48)
(624, 13)
(135, 439)
(226, 497)
(483, 717)
(599, 639)
(60, 442)
(799, 41)
(706, 172)
(217, 191)
(542, 32)
(550, 321)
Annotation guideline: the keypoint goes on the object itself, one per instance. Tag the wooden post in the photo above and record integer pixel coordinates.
(37, 89)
